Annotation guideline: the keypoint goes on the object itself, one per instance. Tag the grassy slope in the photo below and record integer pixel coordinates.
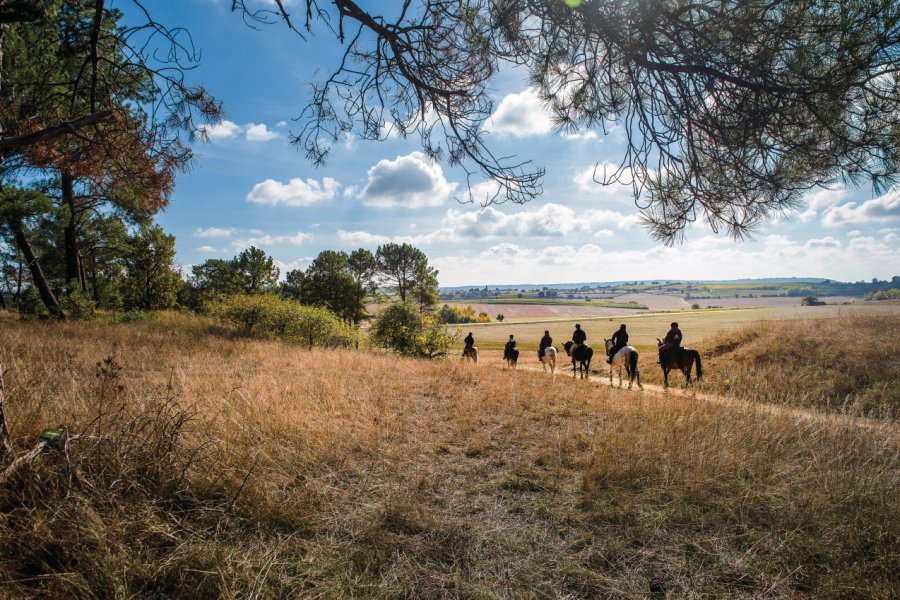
(374, 476)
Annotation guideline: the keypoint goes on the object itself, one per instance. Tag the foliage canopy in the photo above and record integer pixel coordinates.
(730, 110)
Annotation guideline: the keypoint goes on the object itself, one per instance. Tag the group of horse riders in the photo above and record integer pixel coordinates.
(579, 337)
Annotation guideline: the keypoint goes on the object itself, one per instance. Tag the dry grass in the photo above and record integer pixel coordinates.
(846, 365)
(348, 474)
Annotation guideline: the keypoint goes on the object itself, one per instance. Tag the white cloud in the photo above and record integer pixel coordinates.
(580, 136)
(260, 239)
(206, 249)
(297, 239)
(214, 232)
(295, 192)
(258, 132)
(520, 115)
(221, 131)
(411, 181)
(703, 258)
(891, 238)
(885, 208)
(298, 263)
(362, 238)
(854, 233)
(281, 124)
(824, 197)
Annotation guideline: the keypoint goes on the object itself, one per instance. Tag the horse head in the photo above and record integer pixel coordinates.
(608, 344)
(568, 347)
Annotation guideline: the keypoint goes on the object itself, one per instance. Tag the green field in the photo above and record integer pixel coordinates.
(644, 328)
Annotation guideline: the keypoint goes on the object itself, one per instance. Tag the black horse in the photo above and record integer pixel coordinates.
(582, 355)
(682, 359)
(511, 355)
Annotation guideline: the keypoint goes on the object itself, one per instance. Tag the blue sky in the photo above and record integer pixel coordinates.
(250, 186)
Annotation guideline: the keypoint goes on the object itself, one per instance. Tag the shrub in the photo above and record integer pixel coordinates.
(500, 317)
(405, 330)
(271, 316)
(483, 317)
(79, 305)
(457, 314)
(31, 306)
(811, 301)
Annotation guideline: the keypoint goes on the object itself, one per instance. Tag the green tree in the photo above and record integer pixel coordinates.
(729, 110)
(364, 269)
(329, 282)
(256, 271)
(404, 271)
(151, 281)
(404, 329)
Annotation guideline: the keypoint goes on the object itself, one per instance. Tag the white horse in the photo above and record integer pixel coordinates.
(549, 358)
(626, 357)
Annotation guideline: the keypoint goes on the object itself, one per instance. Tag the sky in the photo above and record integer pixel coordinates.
(250, 186)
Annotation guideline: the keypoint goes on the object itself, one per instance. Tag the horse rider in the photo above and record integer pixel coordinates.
(578, 337)
(510, 346)
(672, 341)
(546, 342)
(470, 343)
(619, 340)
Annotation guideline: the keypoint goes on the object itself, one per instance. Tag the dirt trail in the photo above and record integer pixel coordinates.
(602, 378)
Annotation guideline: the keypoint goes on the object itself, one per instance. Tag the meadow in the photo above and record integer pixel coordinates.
(645, 327)
(219, 466)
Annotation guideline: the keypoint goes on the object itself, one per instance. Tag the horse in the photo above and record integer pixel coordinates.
(682, 359)
(548, 357)
(625, 357)
(511, 355)
(582, 356)
(471, 352)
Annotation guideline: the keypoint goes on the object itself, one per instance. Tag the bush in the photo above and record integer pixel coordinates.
(31, 306)
(811, 301)
(500, 317)
(483, 317)
(457, 314)
(271, 316)
(79, 305)
(403, 329)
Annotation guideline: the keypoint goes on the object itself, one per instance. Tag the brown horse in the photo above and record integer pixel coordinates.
(682, 359)
(511, 355)
(471, 352)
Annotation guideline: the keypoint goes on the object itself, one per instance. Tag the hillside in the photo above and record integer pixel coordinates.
(228, 467)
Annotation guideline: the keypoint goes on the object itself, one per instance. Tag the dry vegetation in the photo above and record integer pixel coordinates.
(848, 365)
(226, 467)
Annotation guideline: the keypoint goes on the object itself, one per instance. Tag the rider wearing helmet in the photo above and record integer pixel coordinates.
(619, 340)
(546, 342)
(578, 336)
(672, 341)
(470, 343)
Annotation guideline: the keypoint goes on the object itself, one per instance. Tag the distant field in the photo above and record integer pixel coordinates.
(644, 327)
(528, 311)
(655, 301)
(766, 301)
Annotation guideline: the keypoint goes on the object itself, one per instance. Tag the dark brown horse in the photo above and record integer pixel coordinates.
(682, 359)
(471, 352)
(511, 355)
(582, 355)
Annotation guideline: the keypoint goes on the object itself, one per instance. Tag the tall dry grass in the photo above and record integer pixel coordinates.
(849, 365)
(226, 467)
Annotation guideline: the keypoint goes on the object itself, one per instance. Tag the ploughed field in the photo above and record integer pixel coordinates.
(221, 466)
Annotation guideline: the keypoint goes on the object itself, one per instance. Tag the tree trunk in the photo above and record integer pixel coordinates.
(37, 274)
(74, 268)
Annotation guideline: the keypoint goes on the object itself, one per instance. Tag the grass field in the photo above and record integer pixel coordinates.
(644, 328)
(223, 467)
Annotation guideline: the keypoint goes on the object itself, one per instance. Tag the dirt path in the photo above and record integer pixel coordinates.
(602, 378)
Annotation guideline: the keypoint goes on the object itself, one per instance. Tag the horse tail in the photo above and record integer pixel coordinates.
(699, 364)
(632, 360)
